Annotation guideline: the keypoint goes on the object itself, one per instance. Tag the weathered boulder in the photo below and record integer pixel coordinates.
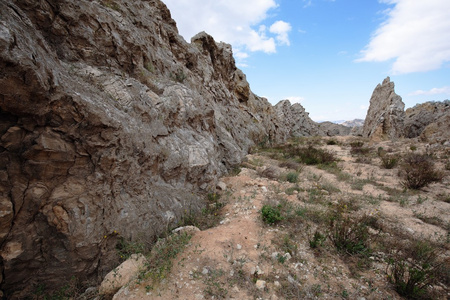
(385, 117)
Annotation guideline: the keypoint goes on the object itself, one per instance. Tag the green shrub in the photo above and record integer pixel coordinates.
(417, 171)
(317, 240)
(292, 177)
(271, 214)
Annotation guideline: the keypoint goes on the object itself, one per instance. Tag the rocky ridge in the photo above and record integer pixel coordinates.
(111, 122)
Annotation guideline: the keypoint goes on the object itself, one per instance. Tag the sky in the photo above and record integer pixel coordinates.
(329, 55)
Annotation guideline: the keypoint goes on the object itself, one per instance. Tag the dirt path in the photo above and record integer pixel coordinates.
(244, 258)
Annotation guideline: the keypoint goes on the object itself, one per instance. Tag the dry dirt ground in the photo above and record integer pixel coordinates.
(244, 257)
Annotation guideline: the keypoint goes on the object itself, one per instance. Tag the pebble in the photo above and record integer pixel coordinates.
(260, 284)
(238, 246)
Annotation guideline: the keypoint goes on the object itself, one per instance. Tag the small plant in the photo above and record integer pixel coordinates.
(389, 161)
(292, 177)
(413, 148)
(179, 76)
(418, 171)
(271, 214)
(214, 287)
(317, 240)
(290, 191)
(160, 259)
(349, 234)
(125, 248)
(413, 271)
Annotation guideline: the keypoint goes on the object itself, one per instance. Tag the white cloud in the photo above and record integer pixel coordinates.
(235, 22)
(281, 29)
(416, 35)
(295, 99)
(434, 91)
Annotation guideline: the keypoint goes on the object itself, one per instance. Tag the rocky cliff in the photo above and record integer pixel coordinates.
(386, 114)
(111, 126)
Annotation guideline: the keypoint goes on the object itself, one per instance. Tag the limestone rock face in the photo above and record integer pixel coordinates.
(385, 117)
(420, 116)
(112, 126)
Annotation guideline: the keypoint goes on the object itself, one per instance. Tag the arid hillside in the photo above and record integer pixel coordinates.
(316, 218)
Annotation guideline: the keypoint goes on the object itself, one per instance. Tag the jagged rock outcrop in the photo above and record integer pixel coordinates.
(385, 117)
(295, 118)
(420, 116)
(111, 126)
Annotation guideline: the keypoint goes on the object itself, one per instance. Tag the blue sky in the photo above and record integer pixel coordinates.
(329, 55)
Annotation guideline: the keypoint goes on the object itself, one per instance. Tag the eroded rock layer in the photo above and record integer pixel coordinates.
(111, 126)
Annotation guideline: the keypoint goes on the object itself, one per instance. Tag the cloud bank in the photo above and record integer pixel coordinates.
(416, 35)
(235, 22)
(434, 91)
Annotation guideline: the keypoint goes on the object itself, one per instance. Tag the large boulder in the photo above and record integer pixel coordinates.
(386, 114)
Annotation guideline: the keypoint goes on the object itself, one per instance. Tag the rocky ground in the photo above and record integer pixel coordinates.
(297, 256)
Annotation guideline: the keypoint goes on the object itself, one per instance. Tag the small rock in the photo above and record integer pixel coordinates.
(264, 189)
(291, 279)
(221, 185)
(186, 229)
(275, 255)
(409, 230)
(277, 283)
(238, 246)
(260, 284)
(205, 271)
(287, 256)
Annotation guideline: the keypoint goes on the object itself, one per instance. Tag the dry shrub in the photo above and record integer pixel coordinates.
(417, 171)
(389, 161)
(413, 268)
(314, 156)
(289, 164)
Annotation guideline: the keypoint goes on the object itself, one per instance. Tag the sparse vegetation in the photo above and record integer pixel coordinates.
(418, 171)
